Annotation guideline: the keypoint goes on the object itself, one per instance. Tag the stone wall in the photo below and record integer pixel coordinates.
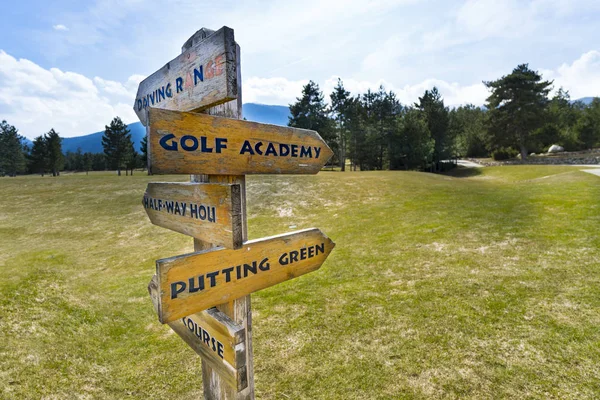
(565, 158)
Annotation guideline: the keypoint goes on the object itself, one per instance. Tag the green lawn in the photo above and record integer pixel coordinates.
(484, 284)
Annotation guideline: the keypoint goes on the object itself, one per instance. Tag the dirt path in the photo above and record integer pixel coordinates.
(469, 164)
(595, 171)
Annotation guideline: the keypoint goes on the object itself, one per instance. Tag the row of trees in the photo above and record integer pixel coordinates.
(46, 156)
(375, 131)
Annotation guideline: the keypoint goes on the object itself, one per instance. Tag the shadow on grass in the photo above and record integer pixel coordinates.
(463, 172)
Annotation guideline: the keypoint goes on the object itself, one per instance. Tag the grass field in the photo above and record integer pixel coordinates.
(485, 284)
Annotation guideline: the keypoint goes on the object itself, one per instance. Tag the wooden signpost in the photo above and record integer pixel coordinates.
(215, 337)
(219, 152)
(203, 76)
(209, 212)
(197, 281)
(190, 143)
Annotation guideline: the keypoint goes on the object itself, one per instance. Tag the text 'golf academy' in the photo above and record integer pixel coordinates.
(187, 288)
(192, 143)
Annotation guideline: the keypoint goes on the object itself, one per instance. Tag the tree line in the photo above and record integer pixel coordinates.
(374, 131)
(46, 156)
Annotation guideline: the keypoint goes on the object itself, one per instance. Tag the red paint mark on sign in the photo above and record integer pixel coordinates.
(189, 81)
(215, 67)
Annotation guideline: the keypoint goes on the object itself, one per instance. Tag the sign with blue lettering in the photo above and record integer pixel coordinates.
(207, 211)
(203, 76)
(192, 143)
(216, 337)
(194, 282)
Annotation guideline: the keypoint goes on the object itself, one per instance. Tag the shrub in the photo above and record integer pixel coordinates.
(504, 153)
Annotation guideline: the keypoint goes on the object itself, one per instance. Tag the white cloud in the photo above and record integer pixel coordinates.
(488, 18)
(271, 90)
(517, 18)
(283, 91)
(60, 27)
(35, 99)
(453, 93)
(581, 78)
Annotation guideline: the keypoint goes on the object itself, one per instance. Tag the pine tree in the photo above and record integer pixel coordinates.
(87, 159)
(38, 158)
(339, 106)
(98, 162)
(467, 124)
(387, 108)
(310, 112)
(560, 123)
(144, 151)
(436, 116)
(367, 156)
(355, 117)
(12, 150)
(131, 159)
(588, 126)
(54, 152)
(413, 146)
(516, 108)
(116, 142)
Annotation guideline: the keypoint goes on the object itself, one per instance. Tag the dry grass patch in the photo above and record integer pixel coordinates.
(468, 286)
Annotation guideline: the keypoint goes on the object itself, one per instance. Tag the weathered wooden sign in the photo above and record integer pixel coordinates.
(207, 211)
(202, 76)
(219, 152)
(191, 143)
(214, 336)
(198, 281)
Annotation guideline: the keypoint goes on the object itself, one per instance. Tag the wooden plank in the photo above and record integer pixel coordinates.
(198, 281)
(192, 143)
(204, 75)
(214, 336)
(206, 211)
(215, 387)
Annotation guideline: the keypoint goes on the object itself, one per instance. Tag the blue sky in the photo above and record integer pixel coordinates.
(74, 65)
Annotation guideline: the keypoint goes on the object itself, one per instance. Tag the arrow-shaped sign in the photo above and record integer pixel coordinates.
(191, 143)
(207, 211)
(203, 76)
(214, 336)
(195, 282)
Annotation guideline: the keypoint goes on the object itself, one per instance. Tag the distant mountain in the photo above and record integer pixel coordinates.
(276, 115)
(585, 100)
(27, 142)
(92, 143)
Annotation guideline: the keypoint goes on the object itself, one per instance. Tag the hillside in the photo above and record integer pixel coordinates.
(439, 287)
(93, 142)
(585, 100)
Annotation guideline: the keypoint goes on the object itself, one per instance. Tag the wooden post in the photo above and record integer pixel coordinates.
(239, 310)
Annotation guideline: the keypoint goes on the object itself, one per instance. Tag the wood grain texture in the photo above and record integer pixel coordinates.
(204, 75)
(214, 336)
(240, 310)
(205, 211)
(195, 282)
(192, 143)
